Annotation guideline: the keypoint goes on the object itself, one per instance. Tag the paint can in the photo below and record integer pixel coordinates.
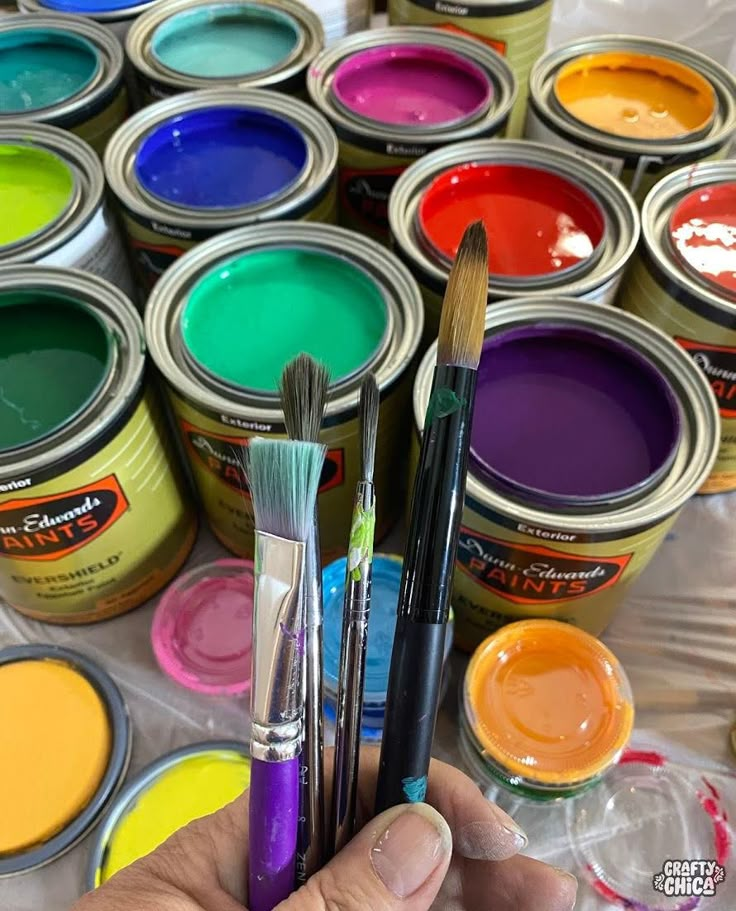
(176, 169)
(394, 94)
(591, 430)
(546, 711)
(608, 98)
(174, 790)
(578, 241)
(358, 310)
(93, 514)
(52, 196)
(81, 763)
(63, 71)
(516, 29)
(683, 280)
(180, 45)
(115, 15)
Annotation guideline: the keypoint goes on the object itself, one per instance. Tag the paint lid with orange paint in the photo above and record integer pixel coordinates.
(65, 741)
(547, 709)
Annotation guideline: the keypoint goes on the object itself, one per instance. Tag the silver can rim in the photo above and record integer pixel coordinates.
(105, 17)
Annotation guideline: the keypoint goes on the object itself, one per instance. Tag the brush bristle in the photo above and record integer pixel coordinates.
(283, 476)
(303, 389)
(462, 323)
(368, 420)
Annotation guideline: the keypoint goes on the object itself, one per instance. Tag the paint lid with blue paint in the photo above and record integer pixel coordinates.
(92, 7)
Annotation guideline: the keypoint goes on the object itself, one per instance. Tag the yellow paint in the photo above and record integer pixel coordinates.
(549, 702)
(639, 96)
(196, 786)
(55, 742)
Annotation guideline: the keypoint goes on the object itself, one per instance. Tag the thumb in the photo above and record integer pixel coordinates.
(398, 861)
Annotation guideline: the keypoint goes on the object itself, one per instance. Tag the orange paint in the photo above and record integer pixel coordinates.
(639, 96)
(548, 702)
(55, 743)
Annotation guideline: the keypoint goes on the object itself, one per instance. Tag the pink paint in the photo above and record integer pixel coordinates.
(412, 85)
(646, 757)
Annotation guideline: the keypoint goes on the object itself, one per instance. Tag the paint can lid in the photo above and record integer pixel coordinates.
(702, 231)
(644, 815)
(202, 629)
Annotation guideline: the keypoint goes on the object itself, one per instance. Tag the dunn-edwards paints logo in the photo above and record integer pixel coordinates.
(689, 878)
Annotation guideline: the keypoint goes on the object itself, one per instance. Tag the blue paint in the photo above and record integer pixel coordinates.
(92, 7)
(415, 789)
(221, 158)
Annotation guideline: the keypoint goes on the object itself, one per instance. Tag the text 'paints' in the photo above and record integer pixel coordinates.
(393, 95)
(280, 290)
(180, 45)
(552, 525)
(177, 171)
(684, 281)
(93, 514)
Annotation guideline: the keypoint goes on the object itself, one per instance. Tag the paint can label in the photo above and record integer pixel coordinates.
(364, 197)
(98, 129)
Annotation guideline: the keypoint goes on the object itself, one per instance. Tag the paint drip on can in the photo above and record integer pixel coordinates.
(176, 169)
(94, 519)
(282, 289)
(684, 281)
(591, 429)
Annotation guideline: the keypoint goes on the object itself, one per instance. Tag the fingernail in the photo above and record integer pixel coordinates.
(491, 840)
(570, 886)
(408, 852)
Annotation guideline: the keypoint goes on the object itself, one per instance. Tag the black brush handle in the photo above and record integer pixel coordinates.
(426, 583)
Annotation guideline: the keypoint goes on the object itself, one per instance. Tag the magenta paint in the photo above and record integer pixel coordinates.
(570, 416)
(412, 85)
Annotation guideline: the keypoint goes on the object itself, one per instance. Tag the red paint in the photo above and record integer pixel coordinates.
(703, 233)
(721, 833)
(538, 223)
(646, 757)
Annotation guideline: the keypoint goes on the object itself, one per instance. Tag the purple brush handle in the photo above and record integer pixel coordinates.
(274, 813)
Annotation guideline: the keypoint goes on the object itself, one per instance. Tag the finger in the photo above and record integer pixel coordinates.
(524, 884)
(396, 863)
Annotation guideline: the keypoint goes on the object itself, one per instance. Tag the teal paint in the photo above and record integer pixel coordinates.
(40, 68)
(248, 317)
(54, 355)
(225, 41)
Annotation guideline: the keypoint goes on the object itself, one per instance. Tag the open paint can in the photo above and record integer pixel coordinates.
(180, 45)
(63, 71)
(116, 15)
(394, 94)
(591, 429)
(52, 197)
(516, 29)
(684, 281)
(638, 107)
(94, 517)
(64, 749)
(167, 795)
(176, 168)
(385, 587)
(546, 710)
(555, 224)
(225, 320)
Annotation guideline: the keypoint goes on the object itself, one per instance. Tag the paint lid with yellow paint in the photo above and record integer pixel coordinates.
(547, 709)
(65, 740)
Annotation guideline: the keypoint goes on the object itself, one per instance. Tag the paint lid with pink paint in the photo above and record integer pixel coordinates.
(202, 628)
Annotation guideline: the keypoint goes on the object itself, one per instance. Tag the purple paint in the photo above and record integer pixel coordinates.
(273, 813)
(571, 416)
(412, 85)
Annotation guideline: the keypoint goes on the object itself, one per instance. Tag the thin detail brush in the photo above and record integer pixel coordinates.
(356, 613)
(303, 390)
(437, 502)
(283, 477)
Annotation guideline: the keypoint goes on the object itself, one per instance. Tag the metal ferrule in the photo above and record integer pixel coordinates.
(278, 643)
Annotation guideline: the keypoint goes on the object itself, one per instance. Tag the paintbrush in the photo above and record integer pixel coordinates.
(356, 612)
(283, 477)
(437, 502)
(303, 390)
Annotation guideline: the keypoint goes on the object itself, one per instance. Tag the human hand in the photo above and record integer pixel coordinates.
(458, 852)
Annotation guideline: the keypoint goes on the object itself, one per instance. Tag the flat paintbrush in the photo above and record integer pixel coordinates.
(303, 395)
(437, 502)
(283, 477)
(354, 641)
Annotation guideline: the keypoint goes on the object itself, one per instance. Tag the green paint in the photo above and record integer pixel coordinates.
(361, 539)
(36, 187)
(54, 355)
(43, 67)
(442, 403)
(248, 317)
